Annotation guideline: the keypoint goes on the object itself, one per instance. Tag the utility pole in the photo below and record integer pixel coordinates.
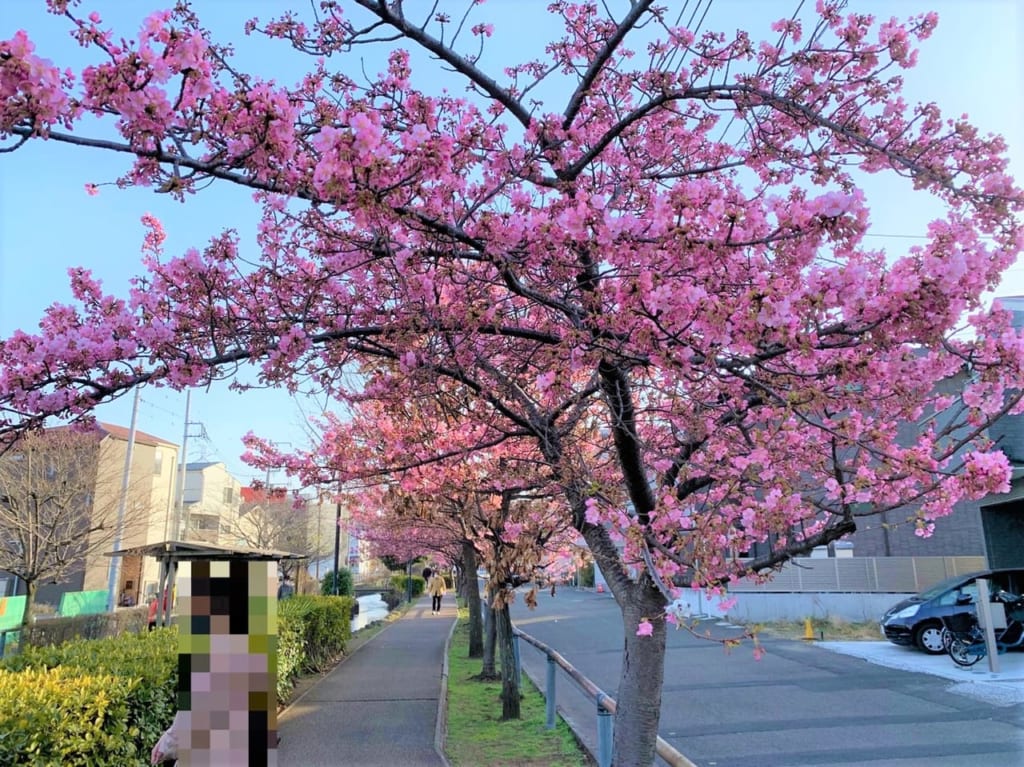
(337, 535)
(115, 562)
(319, 533)
(177, 533)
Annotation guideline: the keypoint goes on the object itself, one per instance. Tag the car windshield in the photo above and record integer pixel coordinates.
(943, 586)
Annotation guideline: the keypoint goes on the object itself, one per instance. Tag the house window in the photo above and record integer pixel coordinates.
(158, 461)
(229, 494)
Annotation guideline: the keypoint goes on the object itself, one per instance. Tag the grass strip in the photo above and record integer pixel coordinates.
(829, 629)
(476, 735)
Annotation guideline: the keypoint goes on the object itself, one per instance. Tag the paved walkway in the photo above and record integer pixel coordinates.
(380, 707)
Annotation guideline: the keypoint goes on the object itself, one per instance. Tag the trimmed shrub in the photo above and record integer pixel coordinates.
(144, 670)
(51, 716)
(344, 583)
(326, 625)
(291, 652)
(398, 583)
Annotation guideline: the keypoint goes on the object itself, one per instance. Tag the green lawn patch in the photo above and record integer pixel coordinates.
(476, 735)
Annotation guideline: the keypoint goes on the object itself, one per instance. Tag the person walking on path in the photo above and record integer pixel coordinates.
(436, 589)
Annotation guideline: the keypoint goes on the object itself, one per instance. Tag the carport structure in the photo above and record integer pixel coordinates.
(1003, 525)
(170, 553)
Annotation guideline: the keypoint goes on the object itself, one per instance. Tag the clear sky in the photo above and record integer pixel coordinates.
(973, 64)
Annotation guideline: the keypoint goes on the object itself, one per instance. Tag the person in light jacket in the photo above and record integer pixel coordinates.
(436, 589)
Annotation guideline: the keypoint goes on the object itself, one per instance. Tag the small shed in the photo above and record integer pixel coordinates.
(170, 553)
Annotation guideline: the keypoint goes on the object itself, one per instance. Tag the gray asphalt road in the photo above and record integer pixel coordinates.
(799, 706)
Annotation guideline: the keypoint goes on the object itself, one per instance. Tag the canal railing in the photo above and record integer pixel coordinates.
(604, 702)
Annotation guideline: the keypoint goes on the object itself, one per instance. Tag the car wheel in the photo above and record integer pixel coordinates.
(928, 637)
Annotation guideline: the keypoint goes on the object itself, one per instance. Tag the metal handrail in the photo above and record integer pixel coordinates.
(604, 701)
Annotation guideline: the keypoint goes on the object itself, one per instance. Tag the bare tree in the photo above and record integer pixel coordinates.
(58, 507)
(277, 520)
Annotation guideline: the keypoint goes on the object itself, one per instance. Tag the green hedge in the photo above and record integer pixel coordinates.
(398, 583)
(61, 716)
(102, 701)
(105, 702)
(291, 655)
(311, 632)
(344, 583)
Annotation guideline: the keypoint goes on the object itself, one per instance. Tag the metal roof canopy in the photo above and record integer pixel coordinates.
(170, 553)
(178, 551)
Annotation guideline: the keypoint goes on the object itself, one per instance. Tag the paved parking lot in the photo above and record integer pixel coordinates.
(1002, 688)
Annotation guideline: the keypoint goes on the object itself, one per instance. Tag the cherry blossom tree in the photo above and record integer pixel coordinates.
(656, 229)
(435, 493)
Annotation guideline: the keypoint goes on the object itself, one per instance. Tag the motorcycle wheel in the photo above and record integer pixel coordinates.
(964, 654)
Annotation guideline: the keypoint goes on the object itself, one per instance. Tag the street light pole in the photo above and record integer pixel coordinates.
(337, 536)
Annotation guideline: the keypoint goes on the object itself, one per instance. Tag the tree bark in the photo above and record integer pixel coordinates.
(472, 597)
(510, 695)
(488, 669)
(638, 703)
(638, 698)
(30, 600)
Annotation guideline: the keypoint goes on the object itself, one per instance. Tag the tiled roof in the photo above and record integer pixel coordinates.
(120, 432)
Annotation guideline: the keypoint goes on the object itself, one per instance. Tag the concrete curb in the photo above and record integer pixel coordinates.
(441, 728)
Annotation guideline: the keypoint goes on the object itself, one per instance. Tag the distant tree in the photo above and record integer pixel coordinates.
(344, 583)
(51, 517)
(277, 520)
(391, 562)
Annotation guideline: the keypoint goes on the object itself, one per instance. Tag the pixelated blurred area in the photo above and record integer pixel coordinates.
(227, 663)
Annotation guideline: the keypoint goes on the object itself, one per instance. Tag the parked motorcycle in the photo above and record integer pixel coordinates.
(964, 638)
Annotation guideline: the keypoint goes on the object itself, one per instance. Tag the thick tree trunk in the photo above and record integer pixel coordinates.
(489, 670)
(638, 698)
(638, 703)
(510, 695)
(472, 597)
(30, 601)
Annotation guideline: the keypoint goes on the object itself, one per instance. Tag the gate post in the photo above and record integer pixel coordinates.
(550, 702)
(604, 733)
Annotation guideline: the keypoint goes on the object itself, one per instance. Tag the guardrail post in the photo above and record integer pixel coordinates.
(519, 661)
(550, 694)
(604, 734)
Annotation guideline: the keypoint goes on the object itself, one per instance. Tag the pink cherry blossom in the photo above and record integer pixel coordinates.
(549, 303)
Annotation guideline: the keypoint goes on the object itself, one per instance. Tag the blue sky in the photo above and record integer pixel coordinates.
(973, 64)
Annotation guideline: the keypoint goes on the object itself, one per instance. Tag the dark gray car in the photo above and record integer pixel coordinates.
(918, 621)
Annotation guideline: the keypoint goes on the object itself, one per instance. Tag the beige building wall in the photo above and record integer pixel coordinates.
(212, 500)
(148, 507)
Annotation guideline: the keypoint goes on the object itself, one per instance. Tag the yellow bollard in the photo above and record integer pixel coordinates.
(808, 629)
